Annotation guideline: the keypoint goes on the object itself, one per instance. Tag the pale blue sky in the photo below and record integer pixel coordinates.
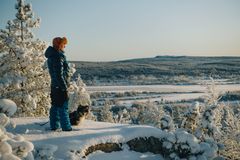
(103, 30)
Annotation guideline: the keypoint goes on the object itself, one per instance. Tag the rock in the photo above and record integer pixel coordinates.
(142, 145)
(105, 147)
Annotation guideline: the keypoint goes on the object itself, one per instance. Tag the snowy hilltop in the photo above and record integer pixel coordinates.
(89, 140)
(31, 138)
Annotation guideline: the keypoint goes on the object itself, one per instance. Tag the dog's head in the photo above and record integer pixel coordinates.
(83, 109)
(78, 116)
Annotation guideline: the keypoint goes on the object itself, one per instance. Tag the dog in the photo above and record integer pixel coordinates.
(78, 116)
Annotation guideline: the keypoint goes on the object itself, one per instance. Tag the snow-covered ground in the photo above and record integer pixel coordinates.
(88, 134)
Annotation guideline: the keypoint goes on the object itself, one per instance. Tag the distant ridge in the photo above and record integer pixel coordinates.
(169, 56)
(161, 69)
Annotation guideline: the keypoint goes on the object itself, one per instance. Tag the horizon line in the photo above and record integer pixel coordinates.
(195, 56)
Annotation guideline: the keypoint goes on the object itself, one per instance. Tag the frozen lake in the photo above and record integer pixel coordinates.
(170, 93)
(163, 88)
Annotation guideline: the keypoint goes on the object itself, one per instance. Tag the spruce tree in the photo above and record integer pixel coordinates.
(24, 77)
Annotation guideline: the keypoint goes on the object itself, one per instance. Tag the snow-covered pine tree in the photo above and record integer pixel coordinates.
(166, 123)
(24, 79)
(146, 113)
(105, 114)
(191, 118)
(78, 94)
(177, 116)
(124, 116)
(207, 127)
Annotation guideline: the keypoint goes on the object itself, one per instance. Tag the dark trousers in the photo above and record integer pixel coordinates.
(59, 110)
(57, 96)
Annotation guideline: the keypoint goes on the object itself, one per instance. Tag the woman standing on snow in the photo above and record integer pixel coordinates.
(59, 73)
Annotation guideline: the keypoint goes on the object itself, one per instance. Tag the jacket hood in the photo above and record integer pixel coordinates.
(51, 52)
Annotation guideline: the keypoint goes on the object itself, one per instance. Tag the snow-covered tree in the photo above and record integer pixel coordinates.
(191, 118)
(166, 123)
(122, 116)
(183, 145)
(105, 114)
(146, 113)
(24, 77)
(78, 95)
(207, 127)
(228, 122)
(212, 95)
(177, 116)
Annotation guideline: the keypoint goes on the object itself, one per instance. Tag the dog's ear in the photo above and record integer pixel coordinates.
(79, 109)
(87, 109)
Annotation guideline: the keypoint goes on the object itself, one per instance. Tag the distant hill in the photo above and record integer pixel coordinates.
(159, 70)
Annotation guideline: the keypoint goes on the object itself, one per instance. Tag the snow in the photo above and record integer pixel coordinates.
(124, 155)
(8, 107)
(4, 120)
(20, 148)
(13, 147)
(88, 134)
(46, 151)
(73, 145)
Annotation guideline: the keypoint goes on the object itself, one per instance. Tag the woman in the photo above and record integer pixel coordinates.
(59, 73)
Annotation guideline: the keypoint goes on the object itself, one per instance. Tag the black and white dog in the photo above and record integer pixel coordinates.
(78, 116)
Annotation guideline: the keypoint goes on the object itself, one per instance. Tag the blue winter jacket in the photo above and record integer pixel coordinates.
(58, 68)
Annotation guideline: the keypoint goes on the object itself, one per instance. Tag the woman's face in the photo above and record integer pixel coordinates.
(62, 46)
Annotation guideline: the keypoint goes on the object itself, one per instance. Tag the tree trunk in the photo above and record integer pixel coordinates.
(22, 30)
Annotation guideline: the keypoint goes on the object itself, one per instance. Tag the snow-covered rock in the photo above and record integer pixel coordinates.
(46, 151)
(12, 147)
